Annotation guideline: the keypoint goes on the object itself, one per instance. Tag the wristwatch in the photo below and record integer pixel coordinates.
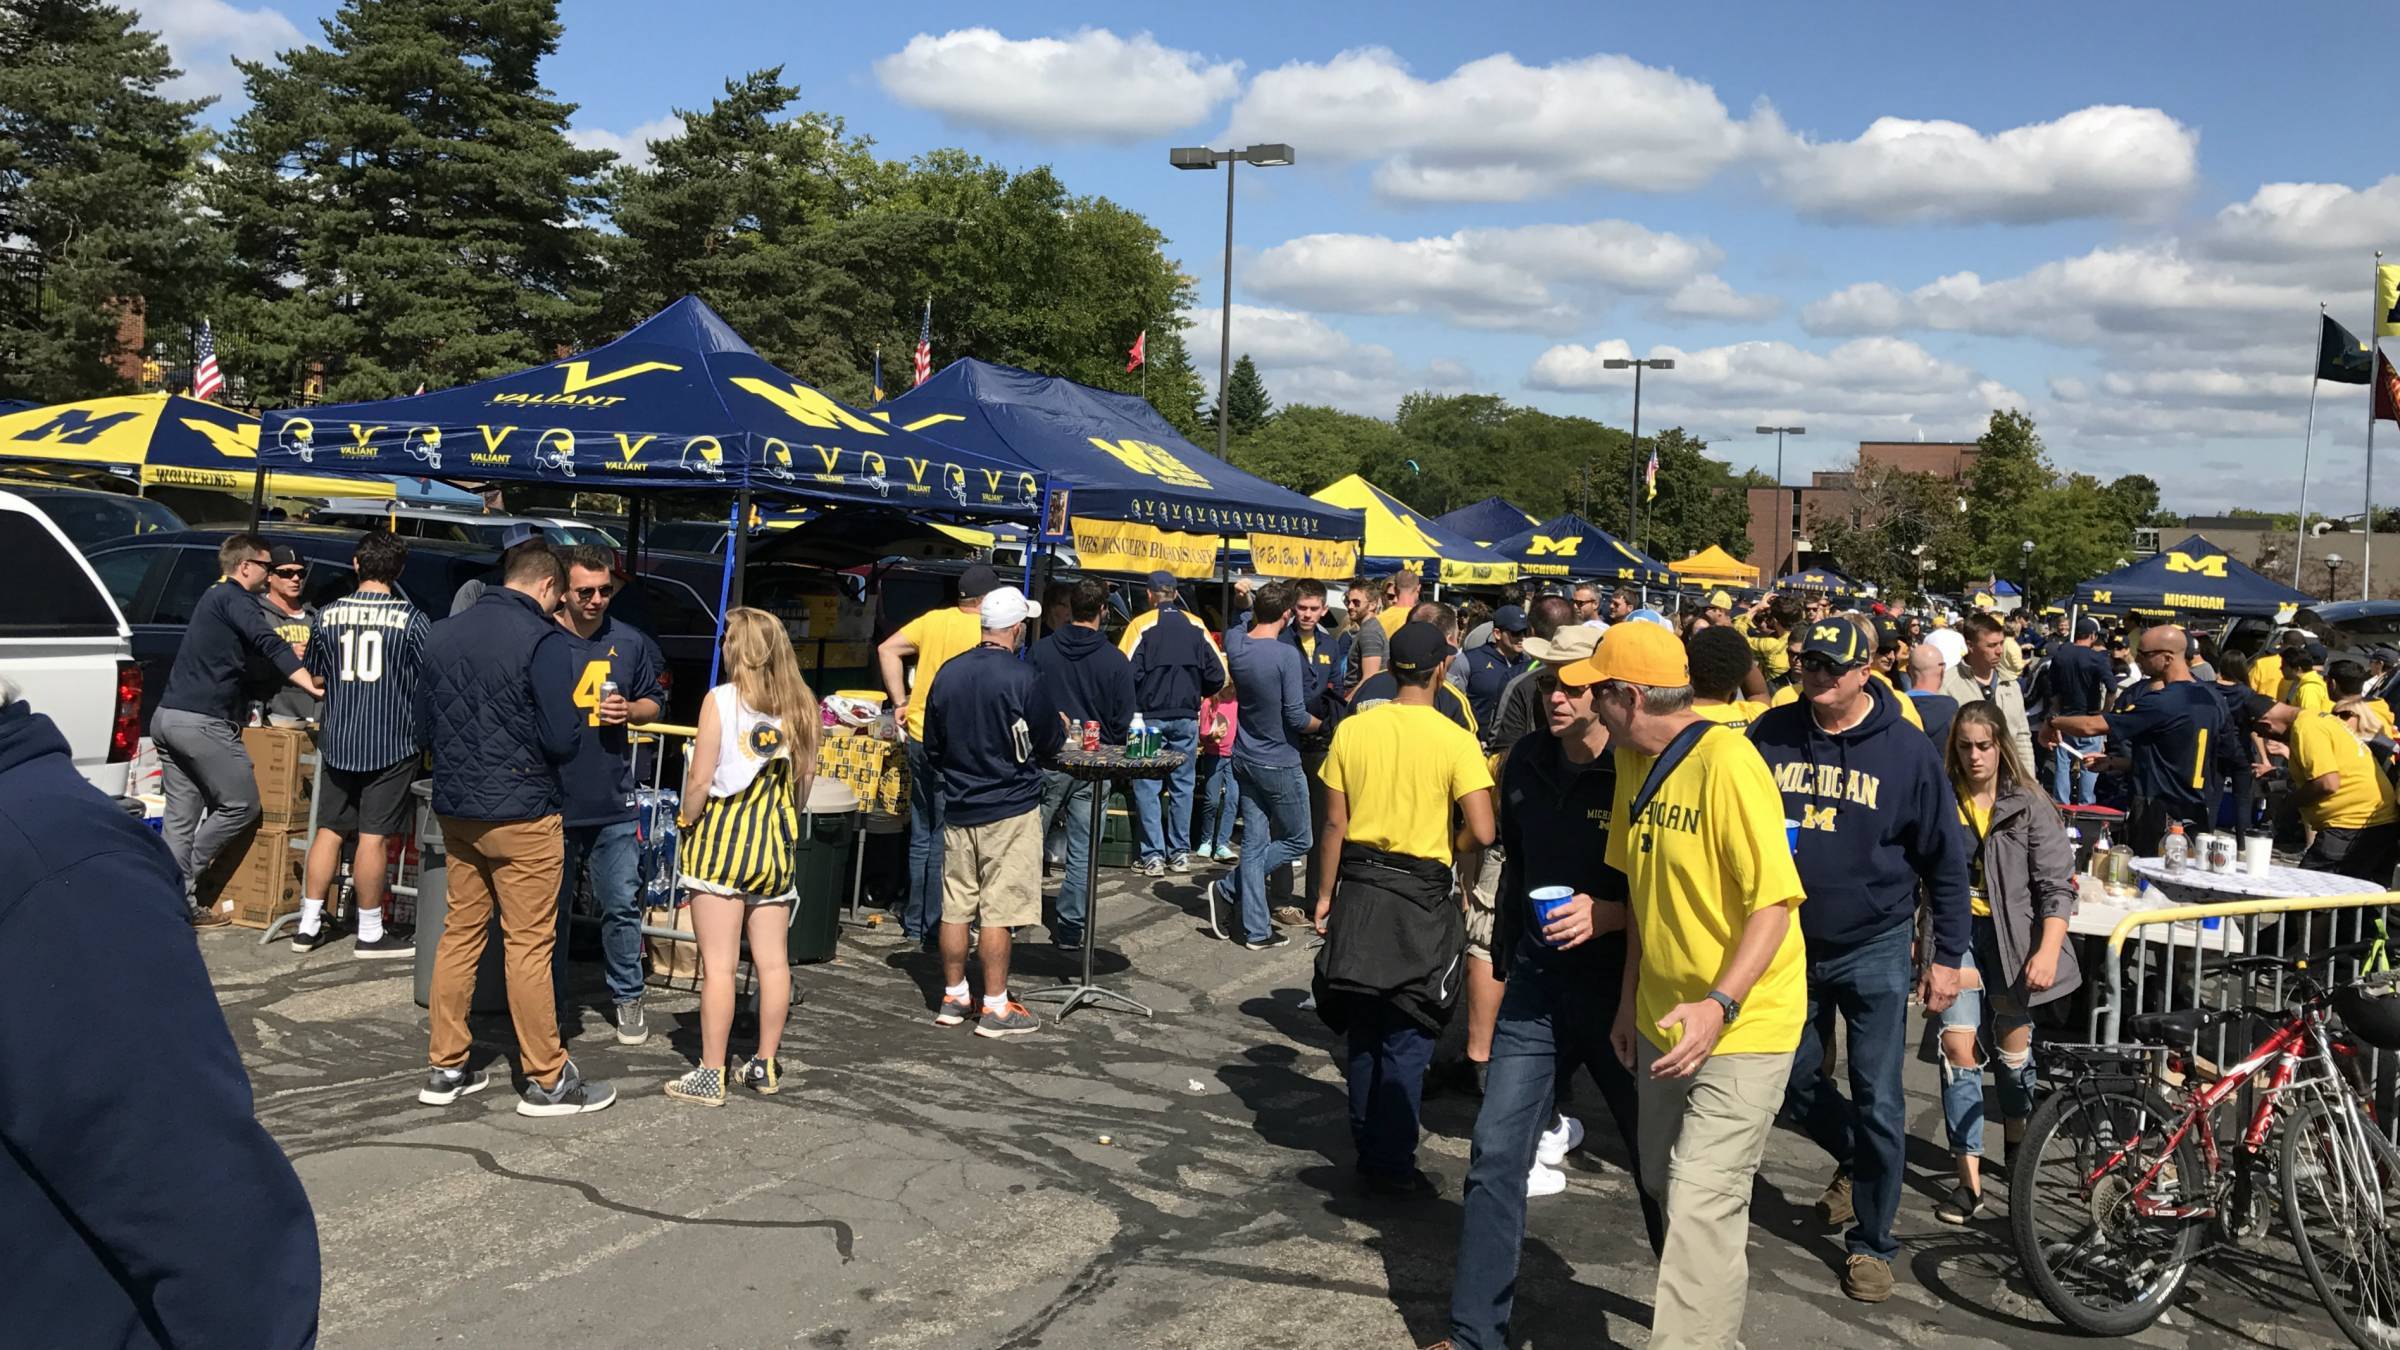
(1731, 1005)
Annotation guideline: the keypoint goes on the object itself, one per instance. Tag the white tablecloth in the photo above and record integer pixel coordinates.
(2279, 883)
(2097, 913)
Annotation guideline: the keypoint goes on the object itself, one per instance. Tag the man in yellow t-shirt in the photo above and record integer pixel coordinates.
(2266, 672)
(1721, 662)
(1768, 625)
(933, 638)
(1407, 590)
(2343, 794)
(1715, 989)
(1395, 934)
(2304, 678)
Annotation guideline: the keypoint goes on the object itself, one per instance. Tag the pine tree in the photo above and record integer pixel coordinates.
(95, 204)
(1246, 398)
(404, 203)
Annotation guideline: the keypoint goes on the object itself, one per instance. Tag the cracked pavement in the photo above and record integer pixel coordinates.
(914, 1187)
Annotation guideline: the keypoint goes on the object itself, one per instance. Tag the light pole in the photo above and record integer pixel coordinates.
(2333, 563)
(1201, 157)
(1633, 495)
(1783, 504)
(2024, 577)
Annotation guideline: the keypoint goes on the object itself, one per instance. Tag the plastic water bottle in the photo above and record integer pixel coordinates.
(1137, 739)
(2100, 851)
(2176, 850)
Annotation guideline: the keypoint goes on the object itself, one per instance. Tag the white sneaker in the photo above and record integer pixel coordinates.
(1544, 1181)
(1557, 1142)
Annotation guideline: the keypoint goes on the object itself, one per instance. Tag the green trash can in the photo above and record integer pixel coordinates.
(821, 870)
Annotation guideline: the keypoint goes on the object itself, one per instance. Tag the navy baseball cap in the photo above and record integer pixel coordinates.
(977, 581)
(1164, 581)
(2087, 627)
(1837, 640)
(1417, 648)
(1510, 619)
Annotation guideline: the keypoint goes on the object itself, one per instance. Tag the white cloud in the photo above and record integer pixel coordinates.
(2099, 161)
(1091, 85)
(1303, 359)
(632, 148)
(2331, 225)
(1498, 130)
(1710, 297)
(204, 37)
(1538, 277)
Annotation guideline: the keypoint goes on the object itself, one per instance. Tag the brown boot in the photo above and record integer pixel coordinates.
(1867, 1278)
(1835, 1203)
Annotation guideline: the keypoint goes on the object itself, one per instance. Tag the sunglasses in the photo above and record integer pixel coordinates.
(1826, 666)
(592, 592)
(291, 573)
(1546, 685)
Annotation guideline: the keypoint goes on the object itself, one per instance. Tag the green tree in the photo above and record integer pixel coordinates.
(96, 210)
(1305, 447)
(404, 204)
(1894, 529)
(1246, 397)
(2011, 473)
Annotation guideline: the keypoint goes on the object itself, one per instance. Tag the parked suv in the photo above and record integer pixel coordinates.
(66, 646)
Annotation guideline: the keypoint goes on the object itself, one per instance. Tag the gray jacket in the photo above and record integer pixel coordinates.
(2028, 876)
(1960, 683)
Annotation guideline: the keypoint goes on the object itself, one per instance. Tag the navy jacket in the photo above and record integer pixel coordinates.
(1088, 678)
(989, 725)
(1876, 814)
(226, 631)
(1554, 822)
(1175, 667)
(1321, 670)
(1488, 674)
(496, 706)
(2080, 680)
(139, 1206)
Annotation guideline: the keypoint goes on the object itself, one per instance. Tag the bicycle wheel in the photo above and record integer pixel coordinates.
(2338, 1199)
(2097, 1263)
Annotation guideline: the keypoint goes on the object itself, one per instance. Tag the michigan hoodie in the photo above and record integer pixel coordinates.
(1876, 816)
(1089, 679)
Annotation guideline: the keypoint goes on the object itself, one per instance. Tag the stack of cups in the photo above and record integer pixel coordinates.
(2258, 854)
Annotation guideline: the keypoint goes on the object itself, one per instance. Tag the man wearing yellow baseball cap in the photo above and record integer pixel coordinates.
(1714, 989)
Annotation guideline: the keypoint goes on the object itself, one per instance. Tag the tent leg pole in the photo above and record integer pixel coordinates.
(739, 545)
(258, 496)
(633, 534)
(716, 649)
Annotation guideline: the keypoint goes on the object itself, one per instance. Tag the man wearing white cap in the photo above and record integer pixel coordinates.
(989, 725)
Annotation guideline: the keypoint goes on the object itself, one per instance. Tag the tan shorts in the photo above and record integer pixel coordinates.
(1479, 877)
(992, 874)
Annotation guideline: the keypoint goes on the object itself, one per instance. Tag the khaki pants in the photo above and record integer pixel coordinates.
(516, 864)
(992, 873)
(1701, 1139)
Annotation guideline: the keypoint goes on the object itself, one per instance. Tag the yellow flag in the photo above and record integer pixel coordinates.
(2387, 300)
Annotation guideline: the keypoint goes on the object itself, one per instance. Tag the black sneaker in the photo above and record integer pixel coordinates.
(574, 1095)
(1268, 943)
(1960, 1207)
(444, 1086)
(304, 943)
(396, 944)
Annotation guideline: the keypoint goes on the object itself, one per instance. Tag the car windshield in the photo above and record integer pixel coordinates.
(95, 518)
(572, 535)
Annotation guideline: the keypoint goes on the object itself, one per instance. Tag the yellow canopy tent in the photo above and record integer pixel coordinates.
(167, 440)
(1714, 564)
(1397, 535)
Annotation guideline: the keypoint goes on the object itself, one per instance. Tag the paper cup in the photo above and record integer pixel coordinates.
(1547, 901)
(1791, 835)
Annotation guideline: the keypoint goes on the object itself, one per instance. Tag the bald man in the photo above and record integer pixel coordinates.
(1926, 670)
(2172, 727)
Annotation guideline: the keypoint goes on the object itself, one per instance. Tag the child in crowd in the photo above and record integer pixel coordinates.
(742, 792)
(1220, 803)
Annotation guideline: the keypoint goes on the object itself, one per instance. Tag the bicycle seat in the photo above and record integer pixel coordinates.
(2180, 1028)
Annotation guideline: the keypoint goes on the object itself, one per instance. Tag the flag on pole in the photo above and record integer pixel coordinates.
(1135, 358)
(2387, 300)
(925, 344)
(420, 389)
(2387, 391)
(1650, 476)
(207, 380)
(878, 386)
(2341, 357)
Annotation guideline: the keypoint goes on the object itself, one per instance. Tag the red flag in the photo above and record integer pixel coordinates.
(1136, 358)
(2387, 390)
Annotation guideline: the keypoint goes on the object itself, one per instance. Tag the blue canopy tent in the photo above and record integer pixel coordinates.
(1487, 521)
(1131, 493)
(1570, 546)
(2195, 575)
(1824, 581)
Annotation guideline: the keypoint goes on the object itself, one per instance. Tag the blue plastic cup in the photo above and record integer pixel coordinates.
(1791, 835)
(1548, 901)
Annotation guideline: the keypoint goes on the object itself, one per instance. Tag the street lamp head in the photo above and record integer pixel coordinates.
(1767, 431)
(1615, 363)
(2027, 546)
(2333, 560)
(1797, 431)
(1268, 156)
(1192, 157)
(1660, 363)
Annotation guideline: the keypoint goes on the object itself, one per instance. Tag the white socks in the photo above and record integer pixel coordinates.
(312, 917)
(370, 924)
(994, 1003)
(957, 991)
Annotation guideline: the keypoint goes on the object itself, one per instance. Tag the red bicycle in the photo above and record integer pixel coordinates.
(2123, 1180)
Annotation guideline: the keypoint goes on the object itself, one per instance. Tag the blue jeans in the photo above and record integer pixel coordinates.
(1388, 1053)
(1554, 1018)
(1072, 796)
(1275, 830)
(609, 855)
(924, 905)
(1962, 1089)
(1181, 735)
(1867, 985)
(1219, 804)
(2067, 773)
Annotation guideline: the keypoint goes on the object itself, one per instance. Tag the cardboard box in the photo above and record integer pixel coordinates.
(285, 780)
(260, 875)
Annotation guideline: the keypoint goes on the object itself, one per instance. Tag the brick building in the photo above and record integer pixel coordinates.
(1779, 515)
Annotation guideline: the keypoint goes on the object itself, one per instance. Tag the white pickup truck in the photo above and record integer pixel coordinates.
(65, 646)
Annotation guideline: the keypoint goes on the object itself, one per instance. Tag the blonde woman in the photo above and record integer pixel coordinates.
(743, 788)
(2021, 890)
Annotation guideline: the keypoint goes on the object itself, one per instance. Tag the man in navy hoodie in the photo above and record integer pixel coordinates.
(1089, 681)
(136, 1209)
(1876, 814)
(1175, 665)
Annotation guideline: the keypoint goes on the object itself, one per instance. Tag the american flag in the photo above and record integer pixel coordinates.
(925, 344)
(1650, 475)
(207, 380)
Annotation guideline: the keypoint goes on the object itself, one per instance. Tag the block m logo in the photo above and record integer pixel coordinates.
(1543, 546)
(2207, 564)
(74, 426)
(1817, 818)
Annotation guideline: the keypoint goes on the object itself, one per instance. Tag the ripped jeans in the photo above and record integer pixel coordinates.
(1962, 1088)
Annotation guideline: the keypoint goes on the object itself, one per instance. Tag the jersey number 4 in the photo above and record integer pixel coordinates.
(362, 654)
(587, 690)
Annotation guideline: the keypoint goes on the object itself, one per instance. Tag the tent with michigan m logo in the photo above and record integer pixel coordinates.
(1570, 546)
(2195, 576)
(162, 440)
(680, 401)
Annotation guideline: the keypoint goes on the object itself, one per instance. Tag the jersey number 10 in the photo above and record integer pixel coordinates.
(362, 654)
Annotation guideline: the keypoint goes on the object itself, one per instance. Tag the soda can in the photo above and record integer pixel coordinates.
(1091, 735)
(608, 690)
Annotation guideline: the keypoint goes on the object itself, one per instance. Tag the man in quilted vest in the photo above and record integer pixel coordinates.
(496, 705)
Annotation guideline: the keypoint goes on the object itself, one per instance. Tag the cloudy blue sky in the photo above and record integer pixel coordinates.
(1877, 220)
